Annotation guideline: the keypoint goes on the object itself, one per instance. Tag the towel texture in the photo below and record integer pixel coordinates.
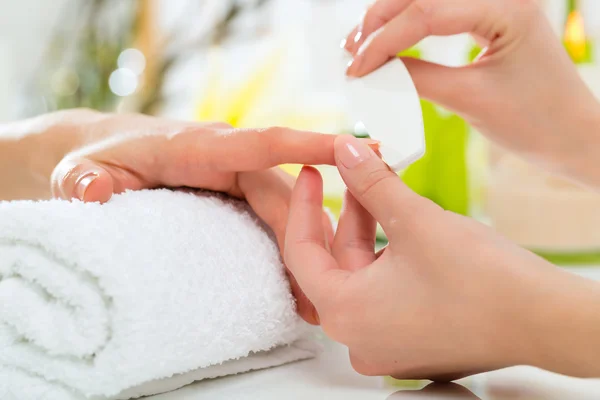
(147, 293)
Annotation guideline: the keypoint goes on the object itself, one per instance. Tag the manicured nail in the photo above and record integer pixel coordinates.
(316, 316)
(83, 183)
(354, 152)
(358, 35)
(354, 66)
(343, 44)
(372, 143)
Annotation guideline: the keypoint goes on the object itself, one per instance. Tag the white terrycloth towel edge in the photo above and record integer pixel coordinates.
(147, 293)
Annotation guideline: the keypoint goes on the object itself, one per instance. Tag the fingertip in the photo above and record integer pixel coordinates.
(310, 182)
(81, 179)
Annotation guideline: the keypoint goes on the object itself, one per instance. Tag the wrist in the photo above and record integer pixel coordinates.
(580, 157)
(564, 325)
(31, 149)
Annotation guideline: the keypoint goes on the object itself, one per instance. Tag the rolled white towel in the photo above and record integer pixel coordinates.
(144, 294)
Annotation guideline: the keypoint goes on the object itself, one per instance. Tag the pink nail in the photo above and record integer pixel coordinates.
(354, 66)
(83, 183)
(354, 152)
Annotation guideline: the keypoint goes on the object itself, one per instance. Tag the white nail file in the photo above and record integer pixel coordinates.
(387, 104)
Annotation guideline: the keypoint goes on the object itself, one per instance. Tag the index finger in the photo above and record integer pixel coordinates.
(423, 18)
(378, 14)
(256, 149)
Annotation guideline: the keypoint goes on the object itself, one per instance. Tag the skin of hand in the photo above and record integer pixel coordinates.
(523, 91)
(88, 156)
(446, 298)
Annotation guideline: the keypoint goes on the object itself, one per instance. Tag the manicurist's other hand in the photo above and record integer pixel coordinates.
(523, 91)
(446, 298)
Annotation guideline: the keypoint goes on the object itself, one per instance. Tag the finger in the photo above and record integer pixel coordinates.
(349, 42)
(89, 181)
(81, 179)
(380, 13)
(305, 253)
(352, 41)
(354, 243)
(377, 188)
(268, 192)
(424, 18)
(304, 306)
(251, 149)
(453, 88)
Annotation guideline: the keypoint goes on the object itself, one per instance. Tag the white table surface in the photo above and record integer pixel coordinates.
(331, 377)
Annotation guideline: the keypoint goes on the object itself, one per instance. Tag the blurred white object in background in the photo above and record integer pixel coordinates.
(24, 28)
(6, 79)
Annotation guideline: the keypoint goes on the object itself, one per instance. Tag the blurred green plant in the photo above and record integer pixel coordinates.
(441, 175)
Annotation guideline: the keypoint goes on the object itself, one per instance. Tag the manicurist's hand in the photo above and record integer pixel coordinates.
(447, 297)
(523, 91)
(93, 155)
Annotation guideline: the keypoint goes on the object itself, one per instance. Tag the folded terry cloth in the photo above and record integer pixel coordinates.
(142, 295)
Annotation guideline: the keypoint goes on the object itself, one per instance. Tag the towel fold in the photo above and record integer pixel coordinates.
(144, 294)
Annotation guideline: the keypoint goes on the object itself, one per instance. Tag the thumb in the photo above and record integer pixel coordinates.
(380, 191)
(90, 181)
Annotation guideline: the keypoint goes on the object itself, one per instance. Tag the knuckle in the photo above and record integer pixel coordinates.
(360, 243)
(423, 10)
(374, 17)
(373, 180)
(269, 140)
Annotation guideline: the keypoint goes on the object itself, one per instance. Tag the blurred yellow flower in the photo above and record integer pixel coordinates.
(256, 102)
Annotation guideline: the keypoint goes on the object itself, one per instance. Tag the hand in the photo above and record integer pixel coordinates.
(448, 297)
(523, 91)
(114, 153)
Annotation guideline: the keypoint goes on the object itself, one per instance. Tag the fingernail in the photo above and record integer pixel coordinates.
(354, 152)
(343, 44)
(316, 316)
(372, 143)
(83, 183)
(358, 35)
(354, 66)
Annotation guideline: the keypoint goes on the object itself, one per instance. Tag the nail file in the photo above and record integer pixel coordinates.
(387, 104)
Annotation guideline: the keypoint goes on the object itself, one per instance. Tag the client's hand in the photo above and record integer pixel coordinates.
(113, 153)
(447, 297)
